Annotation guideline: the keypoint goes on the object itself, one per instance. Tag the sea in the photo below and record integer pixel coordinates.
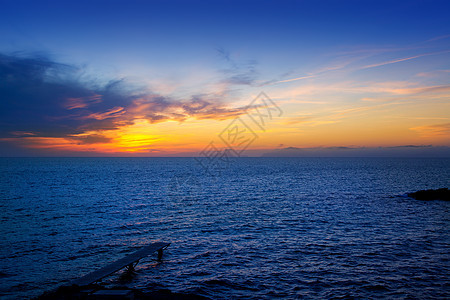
(252, 228)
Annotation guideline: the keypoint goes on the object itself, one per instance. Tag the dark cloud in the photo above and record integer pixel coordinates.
(39, 97)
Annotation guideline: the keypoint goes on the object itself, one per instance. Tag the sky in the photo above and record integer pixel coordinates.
(181, 78)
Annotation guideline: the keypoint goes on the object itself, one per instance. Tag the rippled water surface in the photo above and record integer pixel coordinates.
(263, 228)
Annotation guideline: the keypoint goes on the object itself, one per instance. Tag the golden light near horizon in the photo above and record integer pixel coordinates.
(141, 97)
(270, 149)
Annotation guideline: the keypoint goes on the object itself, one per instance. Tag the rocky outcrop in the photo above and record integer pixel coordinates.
(439, 194)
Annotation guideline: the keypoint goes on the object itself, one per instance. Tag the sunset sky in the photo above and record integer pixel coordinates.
(166, 78)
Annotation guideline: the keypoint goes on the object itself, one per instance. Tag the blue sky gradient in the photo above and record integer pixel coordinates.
(315, 58)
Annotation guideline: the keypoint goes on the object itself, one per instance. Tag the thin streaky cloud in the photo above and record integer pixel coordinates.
(334, 116)
(430, 118)
(432, 73)
(433, 130)
(403, 59)
(345, 64)
(294, 79)
(373, 50)
(438, 38)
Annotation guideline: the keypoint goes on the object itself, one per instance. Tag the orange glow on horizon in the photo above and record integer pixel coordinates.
(370, 122)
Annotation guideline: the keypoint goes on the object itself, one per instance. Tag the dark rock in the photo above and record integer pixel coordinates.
(95, 291)
(439, 194)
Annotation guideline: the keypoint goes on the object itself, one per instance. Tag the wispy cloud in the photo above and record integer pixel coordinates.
(332, 116)
(237, 72)
(111, 113)
(433, 130)
(82, 102)
(63, 105)
(434, 73)
(441, 37)
(344, 60)
(403, 59)
(291, 79)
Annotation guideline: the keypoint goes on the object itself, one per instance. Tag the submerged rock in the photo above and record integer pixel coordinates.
(439, 194)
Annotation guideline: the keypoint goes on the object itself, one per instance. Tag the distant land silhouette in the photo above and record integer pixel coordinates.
(395, 151)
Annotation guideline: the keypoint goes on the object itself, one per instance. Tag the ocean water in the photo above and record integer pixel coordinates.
(260, 228)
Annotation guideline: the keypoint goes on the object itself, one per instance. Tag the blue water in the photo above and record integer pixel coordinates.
(262, 228)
